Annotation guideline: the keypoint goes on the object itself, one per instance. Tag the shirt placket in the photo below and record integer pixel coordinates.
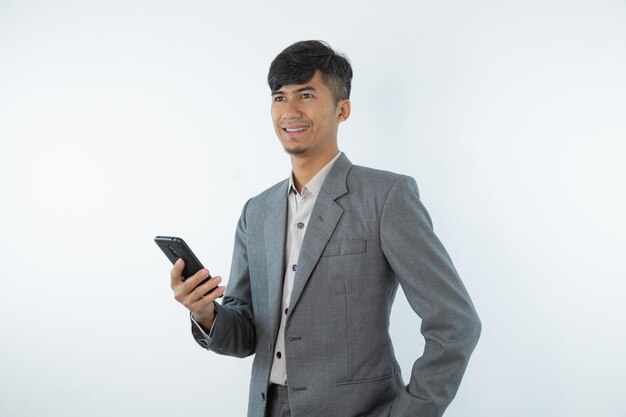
(297, 227)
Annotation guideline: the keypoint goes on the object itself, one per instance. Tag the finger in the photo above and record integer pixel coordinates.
(185, 291)
(201, 291)
(195, 280)
(177, 271)
(200, 305)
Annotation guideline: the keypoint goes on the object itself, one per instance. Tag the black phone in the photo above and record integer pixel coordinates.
(174, 248)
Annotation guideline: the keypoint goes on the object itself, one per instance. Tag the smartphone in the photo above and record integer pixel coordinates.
(174, 248)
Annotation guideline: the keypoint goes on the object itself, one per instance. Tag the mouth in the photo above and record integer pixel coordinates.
(295, 130)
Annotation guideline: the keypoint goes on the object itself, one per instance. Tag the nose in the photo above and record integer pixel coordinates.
(291, 110)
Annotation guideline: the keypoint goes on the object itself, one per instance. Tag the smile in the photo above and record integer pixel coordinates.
(295, 129)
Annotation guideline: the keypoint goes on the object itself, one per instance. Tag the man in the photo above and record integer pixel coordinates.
(316, 265)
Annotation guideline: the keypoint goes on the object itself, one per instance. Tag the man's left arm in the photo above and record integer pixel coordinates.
(450, 324)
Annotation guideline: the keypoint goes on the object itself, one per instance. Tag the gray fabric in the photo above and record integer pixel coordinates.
(368, 233)
(278, 401)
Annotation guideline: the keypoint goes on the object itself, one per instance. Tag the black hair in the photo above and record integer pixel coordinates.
(297, 65)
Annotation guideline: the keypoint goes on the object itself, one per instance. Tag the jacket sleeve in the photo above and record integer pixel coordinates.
(450, 324)
(233, 332)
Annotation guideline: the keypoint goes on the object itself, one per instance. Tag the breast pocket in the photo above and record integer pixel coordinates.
(345, 247)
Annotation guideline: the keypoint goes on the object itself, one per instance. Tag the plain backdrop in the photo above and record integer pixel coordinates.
(122, 120)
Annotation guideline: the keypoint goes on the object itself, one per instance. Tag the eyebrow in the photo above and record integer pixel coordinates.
(298, 90)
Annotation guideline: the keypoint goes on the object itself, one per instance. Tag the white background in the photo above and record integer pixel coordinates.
(121, 120)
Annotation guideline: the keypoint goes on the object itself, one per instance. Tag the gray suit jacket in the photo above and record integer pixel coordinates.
(368, 233)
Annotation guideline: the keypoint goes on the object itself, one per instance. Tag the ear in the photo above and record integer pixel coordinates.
(344, 108)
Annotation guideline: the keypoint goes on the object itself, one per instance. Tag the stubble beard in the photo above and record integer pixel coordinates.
(295, 151)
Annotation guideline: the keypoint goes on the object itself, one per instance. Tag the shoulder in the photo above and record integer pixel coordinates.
(379, 175)
(268, 197)
(376, 181)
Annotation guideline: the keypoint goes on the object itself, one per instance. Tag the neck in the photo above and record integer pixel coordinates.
(304, 169)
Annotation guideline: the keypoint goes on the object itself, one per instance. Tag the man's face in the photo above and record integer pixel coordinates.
(306, 117)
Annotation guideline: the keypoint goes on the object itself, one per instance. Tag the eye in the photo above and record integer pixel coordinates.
(307, 95)
(278, 98)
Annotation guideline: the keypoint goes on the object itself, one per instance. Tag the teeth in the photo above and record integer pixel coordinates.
(299, 129)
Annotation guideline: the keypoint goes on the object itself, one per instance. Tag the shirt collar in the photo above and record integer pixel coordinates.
(315, 185)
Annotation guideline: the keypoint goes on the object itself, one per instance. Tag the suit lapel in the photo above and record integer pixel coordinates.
(275, 227)
(324, 219)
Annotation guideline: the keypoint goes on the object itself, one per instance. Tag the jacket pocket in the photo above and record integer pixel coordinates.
(366, 381)
(346, 247)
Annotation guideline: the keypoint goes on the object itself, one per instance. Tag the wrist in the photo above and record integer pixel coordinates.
(207, 319)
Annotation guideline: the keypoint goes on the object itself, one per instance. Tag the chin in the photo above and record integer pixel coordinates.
(295, 151)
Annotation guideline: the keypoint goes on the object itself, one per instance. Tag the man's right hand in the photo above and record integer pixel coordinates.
(186, 293)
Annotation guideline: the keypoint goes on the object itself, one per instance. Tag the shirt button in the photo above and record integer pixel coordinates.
(286, 310)
(293, 267)
(278, 355)
(300, 225)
